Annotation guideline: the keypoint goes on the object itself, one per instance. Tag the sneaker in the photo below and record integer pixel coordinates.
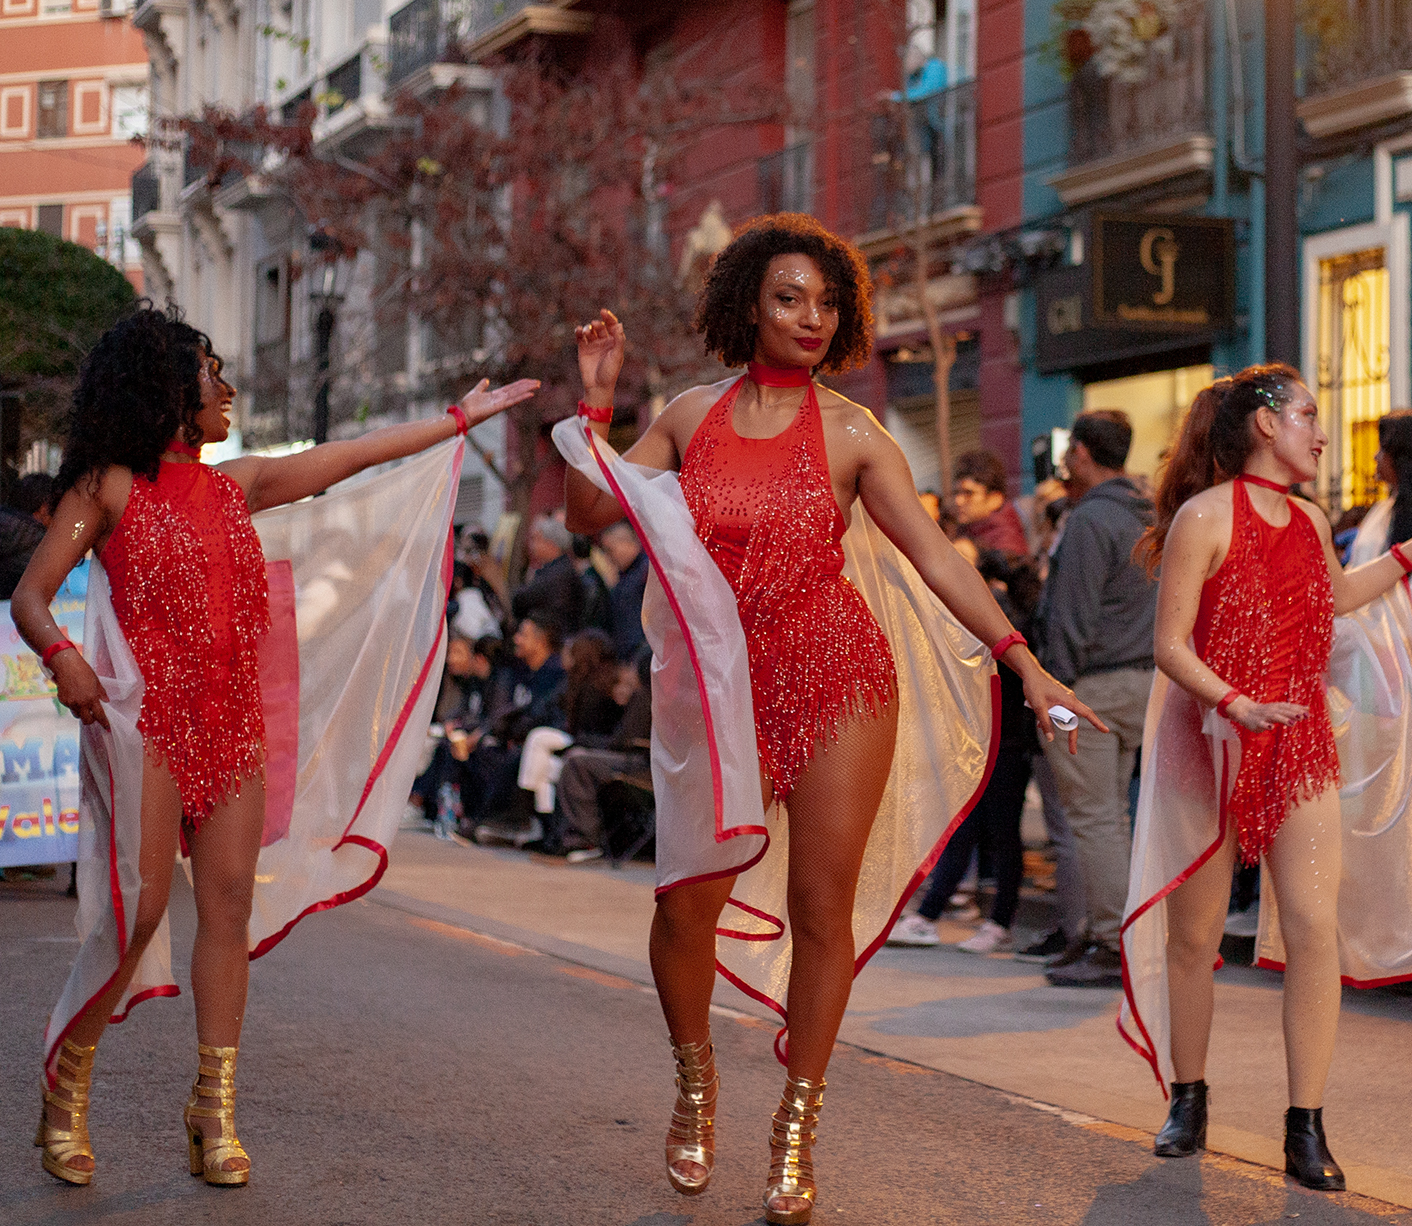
(1070, 954)
(1050, 945)
(1101, 967)
(990, 938)
(582, 855)
(913, 930)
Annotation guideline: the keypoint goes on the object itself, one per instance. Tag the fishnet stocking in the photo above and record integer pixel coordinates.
(1305, 862)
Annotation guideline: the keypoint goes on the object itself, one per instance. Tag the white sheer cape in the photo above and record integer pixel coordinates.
(360, 576)
(705, 767)
(1189, 761)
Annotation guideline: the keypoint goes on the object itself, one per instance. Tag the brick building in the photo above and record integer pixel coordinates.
(73, 94)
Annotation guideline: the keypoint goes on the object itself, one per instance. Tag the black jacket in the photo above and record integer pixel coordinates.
(1098, 607)
(556, 589)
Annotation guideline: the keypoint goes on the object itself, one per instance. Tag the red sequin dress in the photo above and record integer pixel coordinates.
(188, 586)
(1265, 626)
(766, 512)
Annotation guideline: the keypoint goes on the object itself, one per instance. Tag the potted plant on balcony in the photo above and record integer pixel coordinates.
(1118, 36)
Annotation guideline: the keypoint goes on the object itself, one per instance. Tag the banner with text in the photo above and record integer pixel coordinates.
(38, 743)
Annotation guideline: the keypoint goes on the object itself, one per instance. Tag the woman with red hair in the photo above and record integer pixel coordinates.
(1250, 587)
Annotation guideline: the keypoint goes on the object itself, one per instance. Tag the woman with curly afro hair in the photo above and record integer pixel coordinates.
(771, 466)
(188, 588)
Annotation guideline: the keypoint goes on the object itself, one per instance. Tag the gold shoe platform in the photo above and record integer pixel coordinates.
(692, 1136)
(791, 1158)
(73, 1073)
(208, 1155)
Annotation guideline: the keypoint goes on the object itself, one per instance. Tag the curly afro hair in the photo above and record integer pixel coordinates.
(139, 385)
(733, 287)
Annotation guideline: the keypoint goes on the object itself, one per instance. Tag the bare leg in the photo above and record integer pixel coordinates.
(1196, 914)
(1306, 862)
(682, 950)
(831, 812)
(223, 855)
(161, 819)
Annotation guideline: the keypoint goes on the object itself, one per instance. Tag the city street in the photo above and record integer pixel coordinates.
(409, 1061)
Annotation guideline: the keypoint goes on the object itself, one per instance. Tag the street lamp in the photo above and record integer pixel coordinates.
(326, 297)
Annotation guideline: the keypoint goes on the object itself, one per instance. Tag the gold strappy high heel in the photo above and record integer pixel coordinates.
(209, 1155)
(692, 1136)
(791, 1161)
(62, 1145)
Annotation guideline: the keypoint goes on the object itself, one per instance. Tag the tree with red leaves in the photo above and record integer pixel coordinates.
(502, 223)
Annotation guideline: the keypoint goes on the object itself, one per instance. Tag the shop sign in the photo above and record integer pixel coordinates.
(1169, 274)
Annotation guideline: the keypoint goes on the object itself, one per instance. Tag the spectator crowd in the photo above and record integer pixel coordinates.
(542, 726)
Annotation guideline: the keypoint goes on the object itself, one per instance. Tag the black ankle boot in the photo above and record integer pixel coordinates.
(1307, 1155)
(1184, 1133)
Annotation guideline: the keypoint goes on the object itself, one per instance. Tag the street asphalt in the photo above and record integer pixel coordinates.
(400, 1069)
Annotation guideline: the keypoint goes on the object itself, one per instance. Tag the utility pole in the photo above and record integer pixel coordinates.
(1281, 188)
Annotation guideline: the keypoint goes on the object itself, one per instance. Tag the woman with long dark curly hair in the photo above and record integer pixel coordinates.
(1241, 761)
(774, 682)
(188, 588)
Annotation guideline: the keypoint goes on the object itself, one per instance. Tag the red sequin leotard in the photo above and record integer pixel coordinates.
(189, 591)
(766, 512)
(1265, 626)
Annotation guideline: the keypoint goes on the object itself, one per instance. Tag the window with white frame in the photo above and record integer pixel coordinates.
(130, 111)
(16, 8)
(16, 218)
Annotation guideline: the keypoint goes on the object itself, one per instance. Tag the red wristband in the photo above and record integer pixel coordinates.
(1225, 704)
(53, 650)
(1008, 642)
(603, 414)
(1401, 558)
(456, 411)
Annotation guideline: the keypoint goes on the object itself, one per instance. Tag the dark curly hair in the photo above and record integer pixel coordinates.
(138, 386)
(733, 287)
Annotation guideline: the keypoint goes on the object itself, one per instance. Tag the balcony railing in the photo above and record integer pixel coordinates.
(345, 84)
(924, 158)
(424, 31)
(1109, 117)
(1373, 39)
(146, 192)
(786, 179)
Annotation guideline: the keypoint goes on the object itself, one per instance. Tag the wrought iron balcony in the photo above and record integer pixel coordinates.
(424, 31)
(146, 192)
(345, 84)
(1109, 117)
(1373, 39)
(786, 179)
(924, 158)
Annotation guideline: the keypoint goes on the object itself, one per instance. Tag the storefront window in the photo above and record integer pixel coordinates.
(1353, 371)
(1156, 404)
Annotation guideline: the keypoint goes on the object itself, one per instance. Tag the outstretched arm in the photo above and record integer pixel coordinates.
(886, 488)
(1355, 587)
(271, 482)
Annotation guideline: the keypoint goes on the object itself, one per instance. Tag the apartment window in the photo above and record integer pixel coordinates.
(51, 219)
(53, 109)
(129, 111)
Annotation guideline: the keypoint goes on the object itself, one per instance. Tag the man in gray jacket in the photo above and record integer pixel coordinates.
(1095, 623)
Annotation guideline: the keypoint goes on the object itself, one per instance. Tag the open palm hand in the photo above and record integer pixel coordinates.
(601, 345)
(482, 402)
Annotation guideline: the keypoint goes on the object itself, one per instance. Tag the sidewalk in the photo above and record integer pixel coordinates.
(991, 1020)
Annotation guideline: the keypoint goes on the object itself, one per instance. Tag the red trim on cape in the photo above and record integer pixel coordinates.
(167, 989)
(357, 891)
(1149, 1053)
(1268, 964)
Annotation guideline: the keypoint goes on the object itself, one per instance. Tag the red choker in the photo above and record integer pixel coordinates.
(1269, 485)
(779, 376)
(181, 447)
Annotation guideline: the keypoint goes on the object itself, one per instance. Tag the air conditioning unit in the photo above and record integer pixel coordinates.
(114, 8)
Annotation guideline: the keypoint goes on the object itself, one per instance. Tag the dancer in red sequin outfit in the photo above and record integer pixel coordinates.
(1249, 591)
(771, 465)
(188, 587)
